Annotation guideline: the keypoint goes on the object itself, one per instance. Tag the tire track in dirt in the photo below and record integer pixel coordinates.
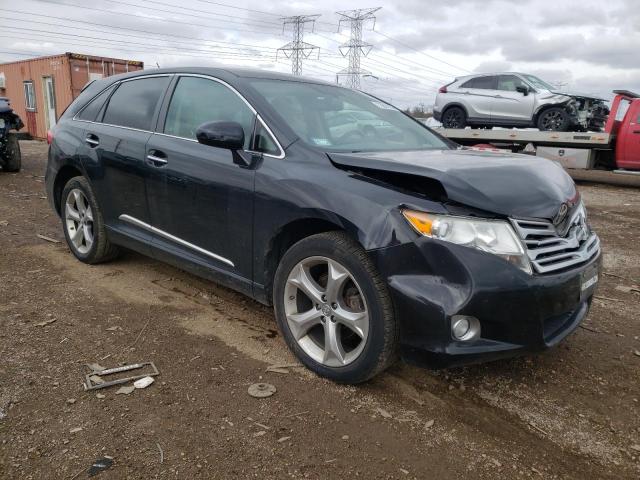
(413, 397)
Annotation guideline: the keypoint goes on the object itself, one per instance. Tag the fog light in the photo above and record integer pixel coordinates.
(465, 328)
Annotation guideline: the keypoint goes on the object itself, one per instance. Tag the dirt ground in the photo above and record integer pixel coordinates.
(571, 412)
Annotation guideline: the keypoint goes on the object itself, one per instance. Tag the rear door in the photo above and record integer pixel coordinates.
(477, 95)
(508, 103)
(114, 152)
(201, 197)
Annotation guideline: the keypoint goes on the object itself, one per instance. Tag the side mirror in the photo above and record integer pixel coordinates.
(229, 135)
(522, 90)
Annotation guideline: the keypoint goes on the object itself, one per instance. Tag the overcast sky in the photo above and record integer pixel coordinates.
(418, 45)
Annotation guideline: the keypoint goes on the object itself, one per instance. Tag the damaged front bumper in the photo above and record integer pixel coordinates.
(431, 282)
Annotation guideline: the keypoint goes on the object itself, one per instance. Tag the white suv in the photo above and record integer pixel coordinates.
(516, 100)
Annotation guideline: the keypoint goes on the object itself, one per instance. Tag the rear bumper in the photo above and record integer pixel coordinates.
(437, 114)
(432, 281)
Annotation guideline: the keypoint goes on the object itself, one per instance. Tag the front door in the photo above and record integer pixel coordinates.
(628, 141)
(49, 102)
(201, 197)
(508, 103)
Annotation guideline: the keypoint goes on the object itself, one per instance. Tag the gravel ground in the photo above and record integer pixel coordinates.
(571, 412)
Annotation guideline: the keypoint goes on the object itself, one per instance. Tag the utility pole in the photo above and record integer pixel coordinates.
(298, 49)
(355, 46)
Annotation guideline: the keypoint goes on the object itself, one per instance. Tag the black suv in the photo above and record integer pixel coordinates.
(371, 240)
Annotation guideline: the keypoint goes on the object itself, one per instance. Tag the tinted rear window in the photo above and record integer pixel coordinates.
(134, 103)
(481, 82)
(90, 112)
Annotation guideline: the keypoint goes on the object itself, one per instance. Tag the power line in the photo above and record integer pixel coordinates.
(91, 44)
(128, 42)
(145, 17)
(297, 49)
(148, 32)
(355, 46)
(200, 13)
(422, 53)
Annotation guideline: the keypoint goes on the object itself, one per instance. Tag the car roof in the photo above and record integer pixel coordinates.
(222, 72)
(490, 74)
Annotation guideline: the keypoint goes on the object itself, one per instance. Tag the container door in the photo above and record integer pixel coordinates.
(49, 102)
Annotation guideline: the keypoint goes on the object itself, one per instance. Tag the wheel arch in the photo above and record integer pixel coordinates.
(455, 104)
(288, 235)
(66, 173)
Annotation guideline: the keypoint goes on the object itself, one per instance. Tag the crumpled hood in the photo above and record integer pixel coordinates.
(505, 184)
(580, 95)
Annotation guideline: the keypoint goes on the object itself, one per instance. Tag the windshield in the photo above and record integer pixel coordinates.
(342, 120)
(536, 82)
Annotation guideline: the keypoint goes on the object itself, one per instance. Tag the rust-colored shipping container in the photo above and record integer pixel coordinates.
(40, 89)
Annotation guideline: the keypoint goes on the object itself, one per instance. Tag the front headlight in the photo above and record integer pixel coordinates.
(493, 236)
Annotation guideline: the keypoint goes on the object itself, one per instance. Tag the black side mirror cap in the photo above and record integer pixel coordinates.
(229, 135)
(523, 90)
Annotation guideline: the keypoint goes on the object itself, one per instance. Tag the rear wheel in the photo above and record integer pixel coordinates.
(334, 310)
(83, 223)
(554, 119)
(13, 160)
(454, 117)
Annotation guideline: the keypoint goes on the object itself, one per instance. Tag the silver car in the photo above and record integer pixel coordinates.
(513, 99)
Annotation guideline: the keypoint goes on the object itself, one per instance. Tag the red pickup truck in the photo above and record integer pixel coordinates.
(623, 125)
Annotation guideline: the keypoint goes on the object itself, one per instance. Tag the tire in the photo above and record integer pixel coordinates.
(98, 249)
(553, 119)
(13, 161)
(362, 295)
(454, 117)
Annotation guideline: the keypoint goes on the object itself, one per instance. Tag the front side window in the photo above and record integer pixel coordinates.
(197, 100)
(134, 103)
(338, 119)
(509, 83)
(29, 96)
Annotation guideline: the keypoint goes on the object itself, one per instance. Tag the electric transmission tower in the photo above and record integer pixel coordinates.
(355, 46)
(298, 49)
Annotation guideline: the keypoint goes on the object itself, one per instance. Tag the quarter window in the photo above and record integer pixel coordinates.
(90, 112)
(29, 96)
(199, 100)
(487, 83)
(134, 103)
(263, 142)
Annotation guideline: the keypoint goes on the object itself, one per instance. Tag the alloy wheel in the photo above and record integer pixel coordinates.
(326, 311)
(552, 120)
(79, 221)
(453, 119)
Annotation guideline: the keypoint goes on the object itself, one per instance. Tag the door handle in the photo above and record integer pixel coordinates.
(636, 131)
(156, 158)
(92, 140)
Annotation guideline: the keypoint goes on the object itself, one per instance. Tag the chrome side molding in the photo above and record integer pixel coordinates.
(168, 236)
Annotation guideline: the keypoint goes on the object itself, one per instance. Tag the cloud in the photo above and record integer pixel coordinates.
(589, 44)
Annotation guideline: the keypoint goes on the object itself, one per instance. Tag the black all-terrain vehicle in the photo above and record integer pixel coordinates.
(10, 160)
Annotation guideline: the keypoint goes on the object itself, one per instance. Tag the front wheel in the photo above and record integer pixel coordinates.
(554, 119)
(334, 310)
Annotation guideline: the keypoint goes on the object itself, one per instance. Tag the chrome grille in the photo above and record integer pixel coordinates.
(549, 250)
